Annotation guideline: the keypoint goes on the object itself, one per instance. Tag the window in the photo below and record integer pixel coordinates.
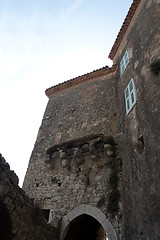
(124, 62)
(130, 96)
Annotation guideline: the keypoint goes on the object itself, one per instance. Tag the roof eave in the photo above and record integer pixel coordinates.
(124, 28)
(80, 79)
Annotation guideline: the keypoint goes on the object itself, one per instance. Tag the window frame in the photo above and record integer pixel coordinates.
(124, 62)
(130, 96)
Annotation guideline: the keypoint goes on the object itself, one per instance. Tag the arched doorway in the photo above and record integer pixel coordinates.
(86, 220)
(85, 227)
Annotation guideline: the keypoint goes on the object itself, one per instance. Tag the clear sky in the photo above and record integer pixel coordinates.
(43, 43)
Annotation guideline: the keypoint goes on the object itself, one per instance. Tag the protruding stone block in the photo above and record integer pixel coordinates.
(62, 155)
(65, 163)
(110, 153)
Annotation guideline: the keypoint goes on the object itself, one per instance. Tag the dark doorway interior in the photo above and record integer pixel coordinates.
(83, 227)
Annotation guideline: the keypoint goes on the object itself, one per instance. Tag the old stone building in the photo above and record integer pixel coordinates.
(95, 160)
(92, 125)
(137, 86)
(95, 165)
(75, 154)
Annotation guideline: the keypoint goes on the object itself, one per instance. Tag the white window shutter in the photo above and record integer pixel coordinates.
(124, 62)
(130, 96)
(130, 53)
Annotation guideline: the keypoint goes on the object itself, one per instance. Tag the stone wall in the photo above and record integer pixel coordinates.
(75, 155)
(89, 112)
(82, 171)
(139, 129)
(19, 217)
(82, 110)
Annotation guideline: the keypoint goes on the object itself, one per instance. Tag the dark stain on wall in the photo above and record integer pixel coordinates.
(5, 223)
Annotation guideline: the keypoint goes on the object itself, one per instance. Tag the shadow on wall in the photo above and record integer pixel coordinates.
(5, 223)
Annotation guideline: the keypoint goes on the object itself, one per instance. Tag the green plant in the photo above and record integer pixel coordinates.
(55, 180)
(113, 178)
(101, 202)
(69, 168)
(100, 166)
(114, 197)
(155, 67)
(87, 180)
(108, 163)
(86, 174)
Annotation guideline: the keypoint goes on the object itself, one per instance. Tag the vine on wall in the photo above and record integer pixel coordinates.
(114, 195)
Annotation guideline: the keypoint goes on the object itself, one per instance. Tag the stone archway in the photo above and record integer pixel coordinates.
(95, 213)
(85, 227)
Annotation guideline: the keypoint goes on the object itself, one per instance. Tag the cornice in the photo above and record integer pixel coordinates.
(124, 28)
(105, 71)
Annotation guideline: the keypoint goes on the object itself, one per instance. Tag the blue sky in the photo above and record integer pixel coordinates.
(42, 43)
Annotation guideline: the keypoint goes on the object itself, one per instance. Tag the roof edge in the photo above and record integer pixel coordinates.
(80, 79)
(124, 28)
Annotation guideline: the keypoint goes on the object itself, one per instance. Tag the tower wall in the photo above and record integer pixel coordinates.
(140, 127)
(75, 152)
(76, 158)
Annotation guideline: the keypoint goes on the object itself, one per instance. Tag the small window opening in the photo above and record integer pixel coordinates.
(45, 213)
(140, 144)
